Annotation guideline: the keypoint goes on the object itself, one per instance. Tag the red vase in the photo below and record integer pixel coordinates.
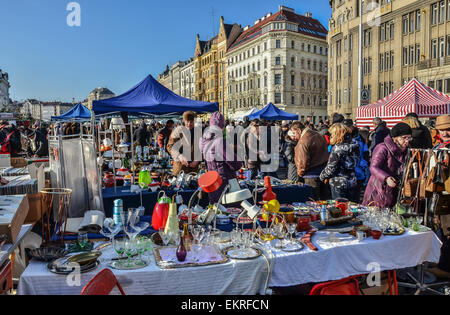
(160, 215)
(108, 180)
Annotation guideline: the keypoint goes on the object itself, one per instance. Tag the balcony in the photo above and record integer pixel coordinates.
(432, 63)
(333, 32)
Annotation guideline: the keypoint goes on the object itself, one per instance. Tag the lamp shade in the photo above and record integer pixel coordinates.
(117, 123)
(210, 181)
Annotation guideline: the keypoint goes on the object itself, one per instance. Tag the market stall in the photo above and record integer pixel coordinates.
(271, 112)
(413, 97)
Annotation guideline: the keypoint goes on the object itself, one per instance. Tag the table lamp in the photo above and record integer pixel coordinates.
(235, 195)
(208, 182)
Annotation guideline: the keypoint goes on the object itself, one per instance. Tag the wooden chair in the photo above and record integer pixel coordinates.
(102, 284)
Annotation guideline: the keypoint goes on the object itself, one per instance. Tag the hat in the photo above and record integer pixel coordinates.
(401, 129)
(338, 118)
(443, 122)
(217, 119)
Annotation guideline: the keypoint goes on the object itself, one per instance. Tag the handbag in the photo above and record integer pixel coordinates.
(435, 180)
(423, 193)
(410, 186)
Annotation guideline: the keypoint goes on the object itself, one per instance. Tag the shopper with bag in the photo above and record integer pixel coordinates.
(386, 167)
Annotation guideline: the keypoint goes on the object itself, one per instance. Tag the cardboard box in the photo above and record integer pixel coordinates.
(35, 208)
(12, 223)
(18, 162)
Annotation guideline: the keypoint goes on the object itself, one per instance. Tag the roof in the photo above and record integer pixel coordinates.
(413, 97)
(102, 90)
(307, 25)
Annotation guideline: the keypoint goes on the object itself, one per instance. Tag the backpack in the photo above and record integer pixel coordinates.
(6, 145)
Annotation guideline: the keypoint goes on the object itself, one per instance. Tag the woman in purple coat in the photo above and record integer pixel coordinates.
(219, 154)
(386, 167)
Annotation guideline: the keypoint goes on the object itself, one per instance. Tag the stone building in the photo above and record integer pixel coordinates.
(4, 89)
(187, 79)
(402, 39)
(171, 78)
(281, 59)
(97, 94)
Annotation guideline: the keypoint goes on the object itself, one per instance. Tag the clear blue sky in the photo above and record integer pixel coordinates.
(119, 42)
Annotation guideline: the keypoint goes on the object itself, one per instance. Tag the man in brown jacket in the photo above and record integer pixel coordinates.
(182, 146)
(311, 157)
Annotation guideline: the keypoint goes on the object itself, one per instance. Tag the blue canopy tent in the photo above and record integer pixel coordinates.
(151, 97)
(77, 113)
(271, 112)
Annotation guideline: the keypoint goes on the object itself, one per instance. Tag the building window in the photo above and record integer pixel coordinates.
(447, 86)
(411, 22)
(292, 79)
(277, 78)
(277, 61)
(405, 56)
(293, 62)
(417, 53)
(350, 42)
(292, 99)
(278, 43)
(441, 47)
(293, 45)
(434, 13)
(411, 55)
(277, 98)
(418, 20)
(442, 12)
(431, 84)
(405, 24)
(439, 86)
(392, 30)
(434, 48)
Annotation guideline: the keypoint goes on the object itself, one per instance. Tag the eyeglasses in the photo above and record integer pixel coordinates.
(406, 138)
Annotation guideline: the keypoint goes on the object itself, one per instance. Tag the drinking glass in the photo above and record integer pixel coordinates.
(291, 227)
(82, 239)
(110, 229)
(140, 244)
(165, 237)
(130, 251)
(119, 247)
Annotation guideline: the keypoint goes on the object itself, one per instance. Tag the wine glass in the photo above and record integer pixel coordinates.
(110, 229)
(291, 227)
(281, 234)
(82, 240)
(140, 243)
(130, 251)
(165, 237)
(119, 247)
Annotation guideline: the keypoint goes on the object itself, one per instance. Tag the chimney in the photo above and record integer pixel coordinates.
(308, 14)
(257, 21)
(282, 7)
(268, 14)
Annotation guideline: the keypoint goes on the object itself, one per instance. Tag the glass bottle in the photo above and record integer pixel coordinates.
(187, 237)
(268, 193)
(181, 251)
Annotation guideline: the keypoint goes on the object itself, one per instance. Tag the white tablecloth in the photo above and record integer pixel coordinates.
(236, 277)
(335, 261)
(331, 262)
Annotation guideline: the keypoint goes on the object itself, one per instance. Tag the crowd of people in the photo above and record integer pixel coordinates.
(29, 141)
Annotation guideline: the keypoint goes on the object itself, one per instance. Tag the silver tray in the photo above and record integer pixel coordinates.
(52, 267)
(299, 246)
(120, 265)
(228, 252)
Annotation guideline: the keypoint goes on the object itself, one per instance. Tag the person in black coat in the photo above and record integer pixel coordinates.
(38, 144)
(421, 136)
(378, 135)
(289, 152)
(141, 135)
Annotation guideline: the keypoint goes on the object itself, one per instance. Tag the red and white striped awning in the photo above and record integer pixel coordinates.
(414, 96)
